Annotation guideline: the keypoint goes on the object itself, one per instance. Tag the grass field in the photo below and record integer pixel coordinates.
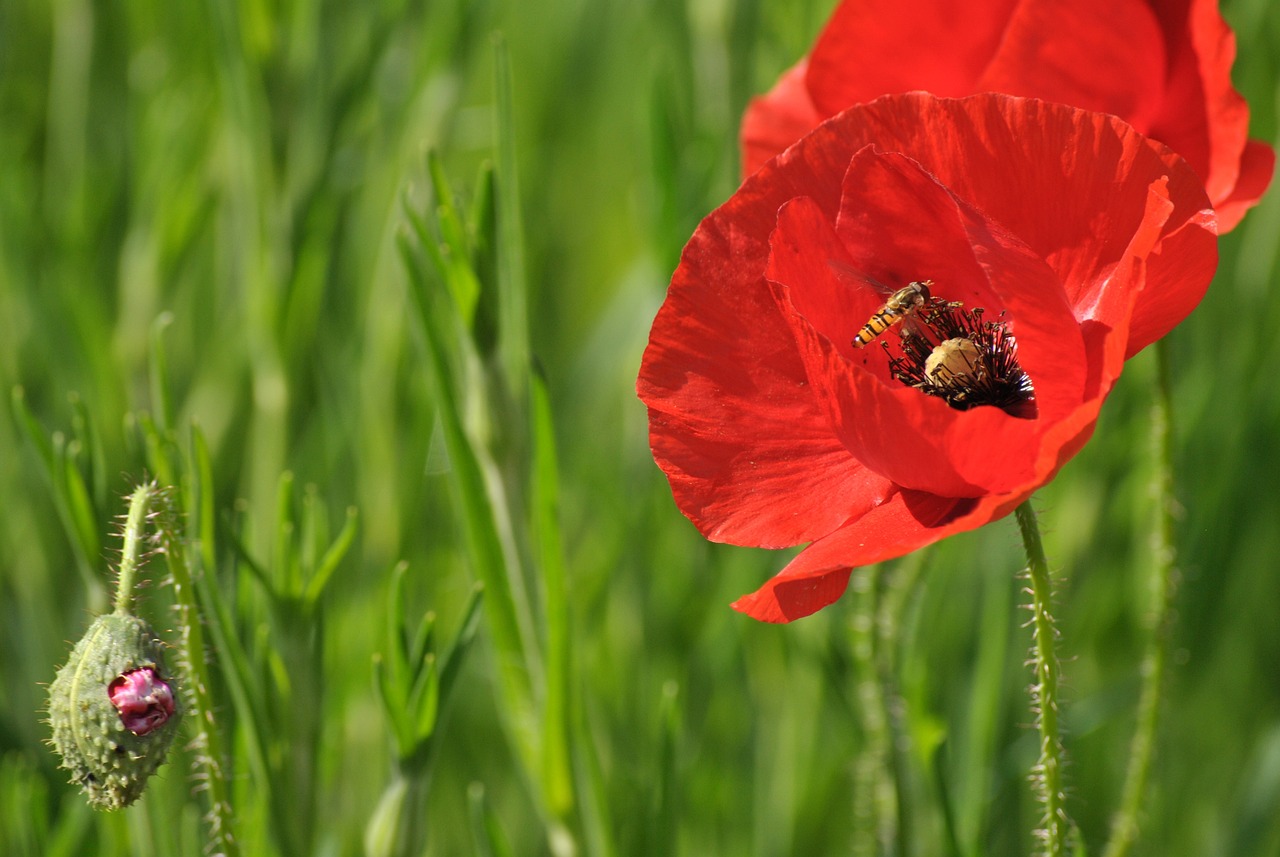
(370, 265)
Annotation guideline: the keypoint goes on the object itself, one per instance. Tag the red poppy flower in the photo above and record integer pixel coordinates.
(1164, 66)
(1074, 235)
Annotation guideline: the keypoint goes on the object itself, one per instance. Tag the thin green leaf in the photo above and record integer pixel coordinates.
(288, 575)
(513, 327)
(557, 772)
(80, 509)
(424, 639)
(332, 557)
(482, 227)
(398, 651)
(161, 401)
(199, 506)
(157, 450)
(84, 545)
(186, 574)
(490, 550)
(455, 246)
(32, 429)
(451, 661)
(86, 432)
(486, 833)
(395, 705)
(482, 220)
(242, 554)
(424, 700)
(247, 693)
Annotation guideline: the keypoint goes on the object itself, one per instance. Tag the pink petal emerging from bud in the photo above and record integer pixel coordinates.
(144, 700)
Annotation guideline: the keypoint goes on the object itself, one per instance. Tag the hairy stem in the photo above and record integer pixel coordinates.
(208, 741)
(1163, 585)
(875, 808)
(1048, 771)
(135, 521)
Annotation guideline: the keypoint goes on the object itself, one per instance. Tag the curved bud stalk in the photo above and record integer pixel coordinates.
(113, 707)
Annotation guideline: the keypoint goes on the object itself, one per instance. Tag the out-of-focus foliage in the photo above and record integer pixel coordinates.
(250, 171)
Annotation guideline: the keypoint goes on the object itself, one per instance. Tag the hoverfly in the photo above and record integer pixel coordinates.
(899, 306)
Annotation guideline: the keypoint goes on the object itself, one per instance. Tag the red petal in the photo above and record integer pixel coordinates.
(1101, 55)
(774, 121)
(733, 422)
(1163, 66)
(1256, 169)
(812, 264)
(873, 47)
(1035, 168)
(1204, 118)
(779, 484)
(907, 521)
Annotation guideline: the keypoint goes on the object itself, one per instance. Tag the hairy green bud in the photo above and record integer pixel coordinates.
(113, 711)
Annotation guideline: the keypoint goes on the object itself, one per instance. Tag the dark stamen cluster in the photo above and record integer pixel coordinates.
(952, 353)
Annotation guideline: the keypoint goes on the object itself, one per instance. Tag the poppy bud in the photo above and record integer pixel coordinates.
(113, 713)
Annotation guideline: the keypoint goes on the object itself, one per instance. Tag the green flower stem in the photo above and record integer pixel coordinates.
(195, 662)
(875, 807)
(1048, 772)
(1163, 583)
(139, 505)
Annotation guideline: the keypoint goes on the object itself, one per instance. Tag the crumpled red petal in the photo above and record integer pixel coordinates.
(1074, 209)
(1204, 118)
(774, 121)
(871, 48)
(731, 420)
(1257, 167)
(1163, 66)
(1107, 56)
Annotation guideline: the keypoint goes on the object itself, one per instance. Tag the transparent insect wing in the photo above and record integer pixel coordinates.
(889, 315)
(857, 278)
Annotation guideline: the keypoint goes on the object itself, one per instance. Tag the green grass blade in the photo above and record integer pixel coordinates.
(80, 509)
(557, 715)
(453, 256)
(489, 544)
(486, 833)
(513, 327)
(158, 450)
(161, 400)
(89, 440)
(85, 542)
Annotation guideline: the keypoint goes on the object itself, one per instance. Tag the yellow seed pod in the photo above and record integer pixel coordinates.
(955, 361)
(113, 710)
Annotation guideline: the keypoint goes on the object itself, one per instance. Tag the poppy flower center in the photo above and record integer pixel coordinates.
(955, 354)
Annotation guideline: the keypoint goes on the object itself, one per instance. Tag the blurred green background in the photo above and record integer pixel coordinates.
(247, 169)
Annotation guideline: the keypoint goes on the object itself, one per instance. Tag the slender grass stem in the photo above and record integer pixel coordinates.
(1163, 584)
(1048, 771)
